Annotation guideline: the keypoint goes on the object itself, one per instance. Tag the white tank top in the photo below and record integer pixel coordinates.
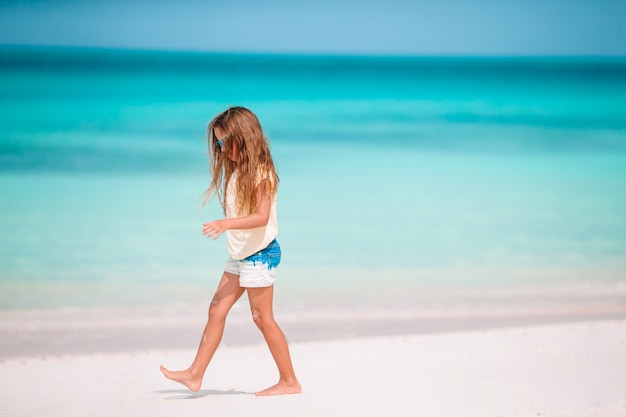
(243, 243)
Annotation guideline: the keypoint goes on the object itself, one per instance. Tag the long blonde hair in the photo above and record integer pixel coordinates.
(254, 162)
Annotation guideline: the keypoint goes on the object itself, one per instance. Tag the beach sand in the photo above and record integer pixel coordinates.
(571, 368)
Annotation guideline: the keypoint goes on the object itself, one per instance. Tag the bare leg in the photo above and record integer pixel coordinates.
(261, 300)
(228, 292)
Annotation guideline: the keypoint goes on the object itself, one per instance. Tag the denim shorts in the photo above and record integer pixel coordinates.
(257, 270)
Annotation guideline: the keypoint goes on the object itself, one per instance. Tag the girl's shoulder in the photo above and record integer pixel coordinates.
(265, 173)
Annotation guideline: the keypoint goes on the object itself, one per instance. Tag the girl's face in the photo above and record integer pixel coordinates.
(228, 147)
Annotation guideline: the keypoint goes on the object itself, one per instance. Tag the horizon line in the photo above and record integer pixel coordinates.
(234, 52)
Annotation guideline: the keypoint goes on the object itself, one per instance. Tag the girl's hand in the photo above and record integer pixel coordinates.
(214, 228)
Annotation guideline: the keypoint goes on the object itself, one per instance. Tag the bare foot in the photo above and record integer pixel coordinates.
(187, 378)
(281, 388)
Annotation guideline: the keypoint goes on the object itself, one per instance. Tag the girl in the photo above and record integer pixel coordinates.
(245, 182)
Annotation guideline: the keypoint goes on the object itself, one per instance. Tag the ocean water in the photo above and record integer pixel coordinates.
(400, 176)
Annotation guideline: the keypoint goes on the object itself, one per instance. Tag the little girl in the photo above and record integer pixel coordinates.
(245, 182)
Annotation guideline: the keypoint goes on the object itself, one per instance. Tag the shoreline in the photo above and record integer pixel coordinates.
(99, 330)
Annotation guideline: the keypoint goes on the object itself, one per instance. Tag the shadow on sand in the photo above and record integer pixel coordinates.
(188, 395)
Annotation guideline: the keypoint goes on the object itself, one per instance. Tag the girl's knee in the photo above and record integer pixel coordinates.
(216, 312)
(262, 321)
(256, 317)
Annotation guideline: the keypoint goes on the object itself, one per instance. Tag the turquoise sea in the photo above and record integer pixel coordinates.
(400, 176)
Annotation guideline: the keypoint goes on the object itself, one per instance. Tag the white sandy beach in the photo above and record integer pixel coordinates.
(568, 369)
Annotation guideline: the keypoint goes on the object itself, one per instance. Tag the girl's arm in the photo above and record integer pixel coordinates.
(259, 218)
